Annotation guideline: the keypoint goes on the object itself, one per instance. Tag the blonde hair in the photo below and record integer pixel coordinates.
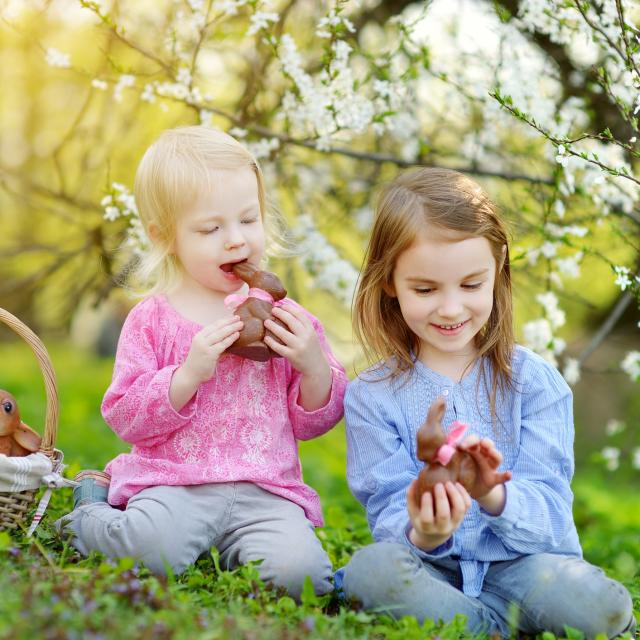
(408, 205)
(173, 172)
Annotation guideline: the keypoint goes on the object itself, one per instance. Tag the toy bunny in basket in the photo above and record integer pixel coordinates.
(16, 438)
(28, 461)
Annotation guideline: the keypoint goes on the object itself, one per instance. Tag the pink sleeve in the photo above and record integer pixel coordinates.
(136, 405)
(311, 424)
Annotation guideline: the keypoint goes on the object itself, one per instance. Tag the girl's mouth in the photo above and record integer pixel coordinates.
(449, 329)
(227, 269)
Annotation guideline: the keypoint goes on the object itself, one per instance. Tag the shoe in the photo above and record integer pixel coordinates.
(93, 486)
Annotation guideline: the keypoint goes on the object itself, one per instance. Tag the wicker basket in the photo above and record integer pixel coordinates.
(15, 506)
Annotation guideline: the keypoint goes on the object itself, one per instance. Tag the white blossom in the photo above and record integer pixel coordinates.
(614, 427)
(101, 85)
(549, 249)
(571, 371)
(538, 334)
(635, 458)
(126, 80)
(328, 269)
(554, 314)
(570, 267)
(56, 58)
(623, 279)
(631, 365)
(260, 20)
(263, 148)
(238, 132)
(611, 457)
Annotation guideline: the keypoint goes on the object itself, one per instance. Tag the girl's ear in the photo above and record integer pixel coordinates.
(390, 290)
(154, 234)
(156, 237)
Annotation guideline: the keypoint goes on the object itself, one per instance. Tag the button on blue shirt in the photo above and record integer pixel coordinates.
(533, 431)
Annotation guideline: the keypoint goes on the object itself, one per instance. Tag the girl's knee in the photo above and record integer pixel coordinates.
(610, 613)
(128, 535)
(379, 571)
(583, 596)
(291, 572)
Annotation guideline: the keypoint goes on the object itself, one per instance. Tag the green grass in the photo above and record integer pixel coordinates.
(49, 591)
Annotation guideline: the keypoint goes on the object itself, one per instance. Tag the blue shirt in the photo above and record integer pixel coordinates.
(534, 432)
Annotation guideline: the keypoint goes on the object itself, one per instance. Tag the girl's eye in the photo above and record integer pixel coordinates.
(471, 287)
(423, 291)
(206, 232)
(249, 220)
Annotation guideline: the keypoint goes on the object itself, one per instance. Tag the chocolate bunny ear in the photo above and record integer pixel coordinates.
(245, 271)
(431, 435)
(27, 438)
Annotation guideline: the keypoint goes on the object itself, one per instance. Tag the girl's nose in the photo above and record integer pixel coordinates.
(450, 307)
(234, 240)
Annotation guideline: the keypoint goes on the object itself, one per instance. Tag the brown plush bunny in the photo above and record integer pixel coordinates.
(16, 438)
(443, 461)
(265, 288)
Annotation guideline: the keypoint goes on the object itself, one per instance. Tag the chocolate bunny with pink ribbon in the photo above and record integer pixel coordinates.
(443, 461)
(265, 290)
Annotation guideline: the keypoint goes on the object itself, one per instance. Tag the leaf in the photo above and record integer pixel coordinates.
(308, 596)
(5, 540)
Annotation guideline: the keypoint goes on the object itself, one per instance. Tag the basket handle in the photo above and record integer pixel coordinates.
(40, 351)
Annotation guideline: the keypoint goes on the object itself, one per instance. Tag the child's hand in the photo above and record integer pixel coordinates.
(488, 459)
(435, 517)
(207, 347)
(300, 343)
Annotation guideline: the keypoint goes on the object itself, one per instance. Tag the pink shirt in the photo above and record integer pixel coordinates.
(241, 426)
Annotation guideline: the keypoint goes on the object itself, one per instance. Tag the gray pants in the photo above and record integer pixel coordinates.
(547, 591)
(172, 526)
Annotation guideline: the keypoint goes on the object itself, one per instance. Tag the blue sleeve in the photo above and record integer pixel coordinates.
(538, 511)
(380, 467)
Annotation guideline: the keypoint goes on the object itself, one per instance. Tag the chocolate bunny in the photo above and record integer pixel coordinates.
(16, 438)
(265, 288)
(443, 461)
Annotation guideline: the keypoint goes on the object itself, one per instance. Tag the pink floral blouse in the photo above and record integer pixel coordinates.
(241, 426)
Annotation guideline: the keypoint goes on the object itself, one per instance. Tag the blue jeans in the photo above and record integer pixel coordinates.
(541, 592)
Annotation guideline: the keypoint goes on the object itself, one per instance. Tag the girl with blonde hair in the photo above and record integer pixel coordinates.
(433, 307)
(214, 460)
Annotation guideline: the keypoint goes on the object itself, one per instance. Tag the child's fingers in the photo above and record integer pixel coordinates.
(298, 314)
(285, 335)
(222, 334)
(503, 477)
(465, 496)
(412, 506)
(457, 500)
(226, 342)
(287, 315)
(281, 349)
(441, 505)
(469, 442)
(219, 324)
(425, 516)
(488, 449)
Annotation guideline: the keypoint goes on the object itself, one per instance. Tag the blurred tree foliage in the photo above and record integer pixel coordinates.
(333, 98)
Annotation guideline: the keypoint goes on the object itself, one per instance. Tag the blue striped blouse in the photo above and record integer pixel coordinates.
(534, 433)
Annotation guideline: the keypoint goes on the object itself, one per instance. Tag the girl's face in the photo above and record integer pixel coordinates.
(223, 226)
(444, 285)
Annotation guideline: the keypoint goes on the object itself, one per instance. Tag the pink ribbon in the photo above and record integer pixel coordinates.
(446, 451)
(234, 300)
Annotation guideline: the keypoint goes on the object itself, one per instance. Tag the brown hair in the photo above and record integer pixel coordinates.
(411, 202)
